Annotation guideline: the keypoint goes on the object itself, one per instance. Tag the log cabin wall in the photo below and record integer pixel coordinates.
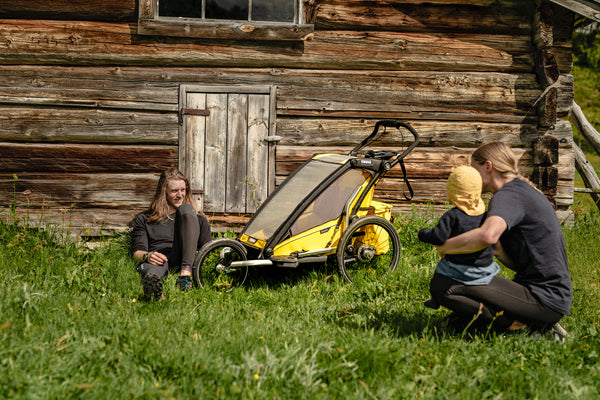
(89, 107)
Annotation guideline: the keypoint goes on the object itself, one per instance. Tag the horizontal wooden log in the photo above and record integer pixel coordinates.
(423, 162)
(324, 132)
(68, 125)
(79, 10)
(67, 190)
(564, 56)
(589, 9)
(73, 158)
(475, 96)
(90, 224)
(93, 43)
(79, 222)
(225, 30)
(97, 221)
(412, 16)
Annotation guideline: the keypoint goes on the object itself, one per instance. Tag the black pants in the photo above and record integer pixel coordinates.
(503, 300)
(185, 242)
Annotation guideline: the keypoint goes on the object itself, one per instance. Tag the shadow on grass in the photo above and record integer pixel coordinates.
(408, 324)
(276, 277)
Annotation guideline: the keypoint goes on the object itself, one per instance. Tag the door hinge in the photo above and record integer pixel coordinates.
(192, 111)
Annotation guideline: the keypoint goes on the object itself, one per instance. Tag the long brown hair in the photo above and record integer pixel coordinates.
(504, 160)
(159, 208)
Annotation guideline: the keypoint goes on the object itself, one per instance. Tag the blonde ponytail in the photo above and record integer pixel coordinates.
(504, 160)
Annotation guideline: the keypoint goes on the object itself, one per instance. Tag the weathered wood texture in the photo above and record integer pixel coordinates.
(78, 190)
(425, 16)
(331, 14)
(77, 10)
(428, 170)
(89, 108)
(72, 158)
(477, 96)
(95, 43)
(589, 8)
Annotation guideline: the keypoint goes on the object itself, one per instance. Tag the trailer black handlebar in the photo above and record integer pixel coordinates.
(388, 123)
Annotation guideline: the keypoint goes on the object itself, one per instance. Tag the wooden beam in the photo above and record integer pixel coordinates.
(94, 43)
(82, 10)
(542, 25)
(587, 8)
(146, 93)
(78, 190)
(347, 132)
(76, 158)
(82, 125)
(588, 174)
(583, 126)
(418, 16)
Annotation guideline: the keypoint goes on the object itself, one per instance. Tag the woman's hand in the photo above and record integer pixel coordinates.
(156, 258)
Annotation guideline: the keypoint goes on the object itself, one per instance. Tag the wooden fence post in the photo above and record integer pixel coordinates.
(585, 169)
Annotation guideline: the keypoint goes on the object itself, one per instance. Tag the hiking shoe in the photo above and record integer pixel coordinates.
(152, 285)
(184, 282)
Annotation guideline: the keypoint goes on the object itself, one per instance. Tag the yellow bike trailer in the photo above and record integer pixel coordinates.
(323, 211)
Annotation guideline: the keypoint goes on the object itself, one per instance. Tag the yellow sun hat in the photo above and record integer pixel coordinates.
(464, 190)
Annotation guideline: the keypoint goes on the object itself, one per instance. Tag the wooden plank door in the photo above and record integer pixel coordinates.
(226, 146)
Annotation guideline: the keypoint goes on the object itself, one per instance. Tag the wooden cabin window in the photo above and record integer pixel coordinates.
(224, 19)
(227, 145)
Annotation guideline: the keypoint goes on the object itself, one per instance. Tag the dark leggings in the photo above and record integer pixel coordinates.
(185, 242)
(515, 302)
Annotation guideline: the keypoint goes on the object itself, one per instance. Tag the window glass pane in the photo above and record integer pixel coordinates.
(227, 9)
(178, 8)
(270, 10)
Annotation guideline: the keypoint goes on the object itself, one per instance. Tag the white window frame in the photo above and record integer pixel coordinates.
(150, 23)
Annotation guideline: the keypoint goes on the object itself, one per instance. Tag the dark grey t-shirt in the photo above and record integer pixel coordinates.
(158, 236)
(534, 241)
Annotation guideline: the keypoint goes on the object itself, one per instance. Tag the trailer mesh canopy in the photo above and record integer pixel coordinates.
(295, 189)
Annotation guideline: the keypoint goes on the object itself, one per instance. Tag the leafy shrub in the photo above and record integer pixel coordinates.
(586, 46)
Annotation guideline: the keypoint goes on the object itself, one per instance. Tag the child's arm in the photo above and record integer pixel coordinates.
(439, 234)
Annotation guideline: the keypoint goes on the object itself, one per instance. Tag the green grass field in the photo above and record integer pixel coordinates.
(72, 326)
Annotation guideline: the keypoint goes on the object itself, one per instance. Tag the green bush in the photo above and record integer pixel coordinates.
(586, 46)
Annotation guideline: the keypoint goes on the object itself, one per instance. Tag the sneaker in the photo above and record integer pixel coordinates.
(152, 285)
(184, 282)
(557, 333)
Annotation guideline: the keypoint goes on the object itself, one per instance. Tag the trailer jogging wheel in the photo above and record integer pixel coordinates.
(212, 265)
(368, 249)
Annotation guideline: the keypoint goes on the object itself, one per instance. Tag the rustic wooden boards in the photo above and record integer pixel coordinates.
(96, 43)
(478, 96)
(89, 108)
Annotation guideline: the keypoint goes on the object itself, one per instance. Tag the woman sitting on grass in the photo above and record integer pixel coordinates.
(165, 236)
(522, 226)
